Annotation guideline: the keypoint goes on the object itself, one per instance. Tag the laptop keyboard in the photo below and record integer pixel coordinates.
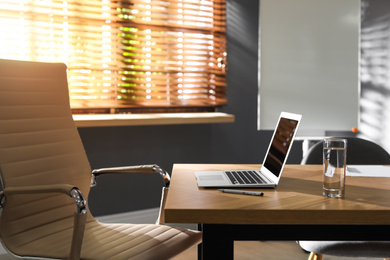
(244, 177)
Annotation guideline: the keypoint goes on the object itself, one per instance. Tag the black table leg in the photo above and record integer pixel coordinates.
(217, 243)
(200, 245)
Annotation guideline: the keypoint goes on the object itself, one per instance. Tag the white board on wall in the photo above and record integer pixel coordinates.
(309, 63)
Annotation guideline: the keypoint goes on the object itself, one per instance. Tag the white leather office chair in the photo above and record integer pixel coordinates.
(47, 178)
(359, 151)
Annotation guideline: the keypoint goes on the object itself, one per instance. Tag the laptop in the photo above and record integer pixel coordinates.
(269, 174)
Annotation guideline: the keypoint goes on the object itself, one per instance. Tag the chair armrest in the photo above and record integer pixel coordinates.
(55, 188)
(132, 169)
(79, 217)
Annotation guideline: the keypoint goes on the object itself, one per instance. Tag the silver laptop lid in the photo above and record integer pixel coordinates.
(280, 145)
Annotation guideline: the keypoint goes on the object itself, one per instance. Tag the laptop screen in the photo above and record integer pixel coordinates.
(279, 148)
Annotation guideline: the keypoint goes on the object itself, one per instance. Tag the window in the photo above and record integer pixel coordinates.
(125, 55)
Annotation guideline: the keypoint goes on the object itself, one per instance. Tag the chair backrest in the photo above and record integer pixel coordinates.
(39, 145)
(359, 151)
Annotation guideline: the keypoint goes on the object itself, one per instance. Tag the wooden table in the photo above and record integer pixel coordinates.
(295, 210)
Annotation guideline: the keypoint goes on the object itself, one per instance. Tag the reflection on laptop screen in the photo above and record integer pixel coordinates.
(279, 147)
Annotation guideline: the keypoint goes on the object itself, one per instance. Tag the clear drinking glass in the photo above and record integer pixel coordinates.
(334, 163)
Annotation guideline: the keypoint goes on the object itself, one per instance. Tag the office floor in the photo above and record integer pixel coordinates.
(253, 250)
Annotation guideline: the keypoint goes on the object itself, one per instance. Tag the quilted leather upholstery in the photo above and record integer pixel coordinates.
(40, 145)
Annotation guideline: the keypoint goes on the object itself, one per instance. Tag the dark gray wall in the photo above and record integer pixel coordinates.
(237, 142)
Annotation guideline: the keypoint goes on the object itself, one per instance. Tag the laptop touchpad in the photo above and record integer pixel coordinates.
(211, 178)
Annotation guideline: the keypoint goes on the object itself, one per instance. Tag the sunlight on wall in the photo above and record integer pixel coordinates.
(375, 82)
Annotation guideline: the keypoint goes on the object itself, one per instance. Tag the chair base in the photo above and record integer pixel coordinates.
(315, 256)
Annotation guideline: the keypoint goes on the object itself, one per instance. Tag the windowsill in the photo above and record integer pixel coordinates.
(151, 119)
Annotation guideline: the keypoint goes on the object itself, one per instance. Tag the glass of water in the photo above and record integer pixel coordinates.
(334, 163)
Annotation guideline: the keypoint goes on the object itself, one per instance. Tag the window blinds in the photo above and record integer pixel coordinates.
(124, 55)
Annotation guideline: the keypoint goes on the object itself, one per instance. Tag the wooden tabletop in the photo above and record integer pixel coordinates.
(297, 200)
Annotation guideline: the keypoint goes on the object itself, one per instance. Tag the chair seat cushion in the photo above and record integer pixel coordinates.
(379, 249)
(112, 241)
(136, 241)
